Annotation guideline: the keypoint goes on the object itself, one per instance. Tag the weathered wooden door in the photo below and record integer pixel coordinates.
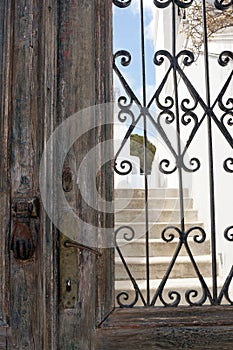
(55, 60)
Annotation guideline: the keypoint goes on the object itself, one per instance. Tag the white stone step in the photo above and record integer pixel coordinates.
(155, 229)
(154, 215)
(163, 212)
(181, 285)
(158, 247)
(153, 203)
(153, 193)
(158, 266)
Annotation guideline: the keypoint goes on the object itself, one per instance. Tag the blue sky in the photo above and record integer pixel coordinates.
(126, 36)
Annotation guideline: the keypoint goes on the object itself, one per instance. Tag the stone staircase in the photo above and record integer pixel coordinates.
(163, 211)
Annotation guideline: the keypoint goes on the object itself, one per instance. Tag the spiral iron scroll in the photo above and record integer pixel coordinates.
(168, 235)
(123, 296)
(221, 5)
(165, 3)
(122, 3)
(158, 3)
(228, 234)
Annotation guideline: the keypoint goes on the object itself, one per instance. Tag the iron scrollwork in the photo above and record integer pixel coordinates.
(221, 5)
(228, 233)
(122, 3)
(225, 290)
(176, 111)
(164, 167)
(199, 238)
(128, 236)
(165, 3)
(125, 166)
(190, 294)
(228, 165)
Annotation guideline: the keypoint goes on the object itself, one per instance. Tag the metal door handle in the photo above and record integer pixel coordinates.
(22, 243)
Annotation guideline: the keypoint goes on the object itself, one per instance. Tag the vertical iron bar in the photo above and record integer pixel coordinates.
(211, 163)
(179, 163)
(145, 155)
(143, 56)
(146, 213)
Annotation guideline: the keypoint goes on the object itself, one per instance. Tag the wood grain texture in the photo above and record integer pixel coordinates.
(103, 43)
(48, 250)
(24, 292)
(30, 100)
(75, 92)
(51, 55)
(3, 339)
(5, 76)
(177, 328)
(84, 80)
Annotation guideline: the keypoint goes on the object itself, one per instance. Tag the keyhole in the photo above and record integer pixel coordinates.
(68, 285)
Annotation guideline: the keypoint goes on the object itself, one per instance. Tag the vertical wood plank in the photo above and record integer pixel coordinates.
(24, 292)
(48, 265)
(3, 339)
(76, 64)
(103, 42)
(5, 43)
(28, 58)
(84, 29)
(33, 284)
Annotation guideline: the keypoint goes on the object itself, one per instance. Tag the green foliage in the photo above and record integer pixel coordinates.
(137, 150)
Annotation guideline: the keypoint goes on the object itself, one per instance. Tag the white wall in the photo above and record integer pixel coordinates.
(198, 182)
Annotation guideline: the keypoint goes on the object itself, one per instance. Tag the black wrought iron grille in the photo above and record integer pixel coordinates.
(179, 112)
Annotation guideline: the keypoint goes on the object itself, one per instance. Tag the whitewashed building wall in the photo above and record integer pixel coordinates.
(198, 183)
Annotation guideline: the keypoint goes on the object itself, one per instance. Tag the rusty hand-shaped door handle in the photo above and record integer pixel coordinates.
(22, 243)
